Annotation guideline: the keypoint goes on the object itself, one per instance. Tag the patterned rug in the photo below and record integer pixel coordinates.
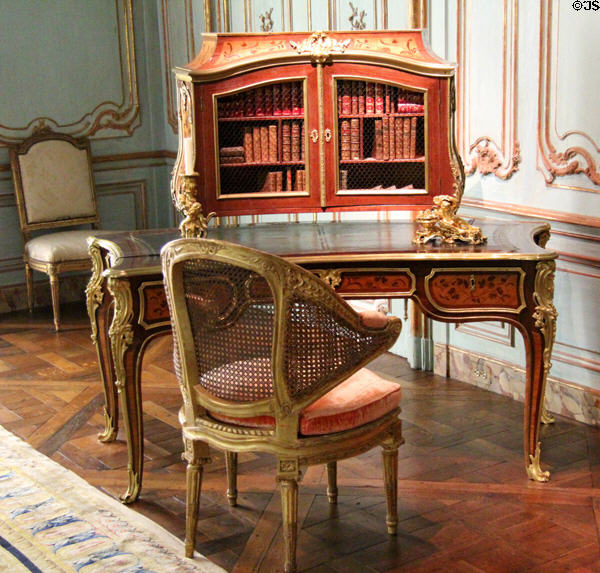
(52, 520)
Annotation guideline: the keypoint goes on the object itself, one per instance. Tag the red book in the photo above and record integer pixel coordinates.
(370, 99)
(361, 98)
(379, 99)
(345, 140)
(387, 100)
(399, 131)
(268, 95)
(249, 103)
(385, 122)
(295, 99)
(276, 99)
(346, 98)
(286, 99)
(406, 138)
(295, 141)
(354, 139)
(354, 98)
(259, 101)
(392, 137)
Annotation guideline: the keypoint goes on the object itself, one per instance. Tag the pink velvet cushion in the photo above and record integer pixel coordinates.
(373, 319)
(360, 399)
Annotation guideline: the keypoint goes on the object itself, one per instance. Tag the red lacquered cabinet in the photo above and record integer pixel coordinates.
(300, 122)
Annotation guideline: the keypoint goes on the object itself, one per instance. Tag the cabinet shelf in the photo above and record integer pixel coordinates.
(266, 164)
(380, 115)
(371, 161)
(256, 118)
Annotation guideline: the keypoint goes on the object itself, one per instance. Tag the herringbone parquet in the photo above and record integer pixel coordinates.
(465, 503)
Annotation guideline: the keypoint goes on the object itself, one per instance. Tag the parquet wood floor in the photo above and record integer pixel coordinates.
(464, 501)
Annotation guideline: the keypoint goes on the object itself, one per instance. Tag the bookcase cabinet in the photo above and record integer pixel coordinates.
(315, 122)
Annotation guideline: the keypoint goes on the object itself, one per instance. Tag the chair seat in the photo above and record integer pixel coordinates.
(61, 246)
(360, 399)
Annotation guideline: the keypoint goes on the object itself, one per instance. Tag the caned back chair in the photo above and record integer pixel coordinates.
(54, 186)
(269, 358)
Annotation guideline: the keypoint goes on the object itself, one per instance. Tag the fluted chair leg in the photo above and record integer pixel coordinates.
(390, 478)
(29, 284)
(289, 509)
(197, 455)
(332, 490)
(231, 463)
(55, 300)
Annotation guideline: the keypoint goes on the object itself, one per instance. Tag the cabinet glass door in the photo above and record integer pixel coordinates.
(261, 141)
(380, 138)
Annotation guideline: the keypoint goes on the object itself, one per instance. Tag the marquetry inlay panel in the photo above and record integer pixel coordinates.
(155, 311)
(467, 289)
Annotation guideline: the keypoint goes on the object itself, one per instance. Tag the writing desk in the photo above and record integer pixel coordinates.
(511, 279)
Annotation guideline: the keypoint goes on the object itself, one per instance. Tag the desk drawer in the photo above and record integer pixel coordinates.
(385, 282)
(462, 290)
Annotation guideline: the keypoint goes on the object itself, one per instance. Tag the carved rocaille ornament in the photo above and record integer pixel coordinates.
(195, 223)
(441, 222)
(320, 46)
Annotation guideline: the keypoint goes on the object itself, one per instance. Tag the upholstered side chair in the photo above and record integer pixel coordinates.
(269, 358)
(54, 186)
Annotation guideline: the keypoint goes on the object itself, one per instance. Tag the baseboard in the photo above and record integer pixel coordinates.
(562, 397)
(14, 297)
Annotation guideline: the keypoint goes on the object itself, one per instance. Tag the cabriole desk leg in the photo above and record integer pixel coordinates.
(98, 302)
(539, 349)
(125, 350)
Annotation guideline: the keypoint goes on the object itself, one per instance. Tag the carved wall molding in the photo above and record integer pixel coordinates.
(562, 152)
(136, 189)
(123, 116)
(170, 60)
(483, 153)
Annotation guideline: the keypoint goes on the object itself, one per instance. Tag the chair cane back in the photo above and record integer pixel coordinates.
(54, 187)
(269, 358)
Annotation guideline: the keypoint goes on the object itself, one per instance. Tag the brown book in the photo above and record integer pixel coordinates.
(370, 98)
(276, 99)
(295, 141)
(288, 179)
(302, 141)
(406, 138)
(385, 123)
(233, 159)
(343, 179)
(248, 147)
(273, 143)
(300, 179)
(286, 142)
(345, 140)
(378, 143)
(256, 144)
(286, 99)
(392, 137)
(264, 143)
(354, 139)
(379, 99)
(268, 98)
(279, 181)
(354, 98)
(259, 101)
(268, 183)
(399, 132)
(413, 137)
(231, 151)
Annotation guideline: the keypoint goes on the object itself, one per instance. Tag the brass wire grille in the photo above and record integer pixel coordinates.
(381, 137)
(261, 139)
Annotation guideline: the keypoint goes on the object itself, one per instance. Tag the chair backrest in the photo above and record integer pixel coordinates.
(256, 335)
(53, 181)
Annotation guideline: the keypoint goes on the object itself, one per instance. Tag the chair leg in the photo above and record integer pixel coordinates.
(289, 509)
(332, 490)
(231, 462)
(55, 299)
(197, 455)
(390, 478)
(29, 284)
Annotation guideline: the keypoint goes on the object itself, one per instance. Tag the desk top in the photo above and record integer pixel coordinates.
(138, 252)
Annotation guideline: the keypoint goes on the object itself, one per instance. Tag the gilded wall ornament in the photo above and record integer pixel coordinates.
(357, 21)
(266, 22)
